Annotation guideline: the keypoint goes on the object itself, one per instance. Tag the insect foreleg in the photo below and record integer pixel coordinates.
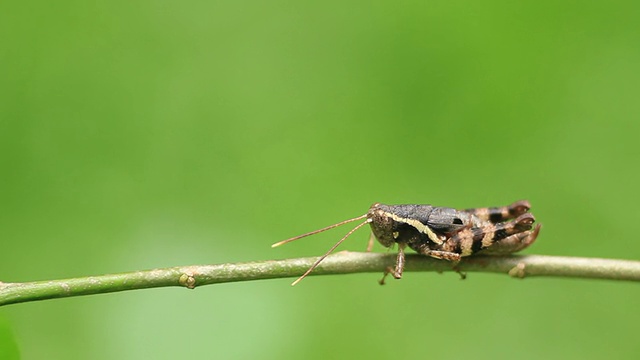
(397, 271)
(372, 239)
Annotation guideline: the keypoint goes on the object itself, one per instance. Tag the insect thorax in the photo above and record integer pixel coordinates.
(398, 223)
(417, 224)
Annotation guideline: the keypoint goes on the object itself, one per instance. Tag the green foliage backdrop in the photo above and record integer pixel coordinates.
(147, 134)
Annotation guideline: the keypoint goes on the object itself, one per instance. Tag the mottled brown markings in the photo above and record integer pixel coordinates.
(496, 217)
(482, 213)
(484, 230)
(465, 237)
(487, 239)
(513, 243)
(501, 213)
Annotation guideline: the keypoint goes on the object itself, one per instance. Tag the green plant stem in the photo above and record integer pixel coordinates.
(340, 263)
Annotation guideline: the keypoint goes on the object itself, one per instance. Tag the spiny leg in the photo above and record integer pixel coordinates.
(397, 271)
(513, 243)
(501, 213)
(442, 255)
(423, 249)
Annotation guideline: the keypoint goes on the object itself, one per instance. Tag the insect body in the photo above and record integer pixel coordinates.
(441, 232)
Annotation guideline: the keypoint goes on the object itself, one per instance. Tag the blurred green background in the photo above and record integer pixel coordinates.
(136, 135)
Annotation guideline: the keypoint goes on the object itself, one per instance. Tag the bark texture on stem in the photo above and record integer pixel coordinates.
(519, 266)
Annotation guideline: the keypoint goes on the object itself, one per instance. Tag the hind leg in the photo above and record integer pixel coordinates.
(470, 241)
(501, 213)
(513, 243)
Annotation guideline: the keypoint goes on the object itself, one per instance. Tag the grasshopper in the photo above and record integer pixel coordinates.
(440, 232)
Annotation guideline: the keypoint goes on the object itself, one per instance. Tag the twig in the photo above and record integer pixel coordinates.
(339, 263)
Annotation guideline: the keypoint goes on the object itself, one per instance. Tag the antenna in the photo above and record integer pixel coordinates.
(318, 231)
(332, 248)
